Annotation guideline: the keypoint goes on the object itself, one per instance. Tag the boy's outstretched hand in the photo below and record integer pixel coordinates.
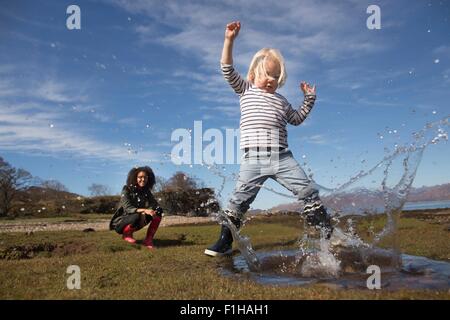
(232, 30)
(307, 89)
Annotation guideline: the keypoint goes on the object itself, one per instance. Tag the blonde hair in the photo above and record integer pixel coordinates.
(257, 66)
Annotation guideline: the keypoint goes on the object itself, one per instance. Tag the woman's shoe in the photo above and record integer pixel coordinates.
(127, 234)
(154, 224)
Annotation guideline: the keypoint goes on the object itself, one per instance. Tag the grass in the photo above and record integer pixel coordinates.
(34, 266)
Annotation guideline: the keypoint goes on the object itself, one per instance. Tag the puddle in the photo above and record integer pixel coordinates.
(287, 268)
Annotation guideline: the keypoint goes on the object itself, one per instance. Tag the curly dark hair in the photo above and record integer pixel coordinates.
(132, 177)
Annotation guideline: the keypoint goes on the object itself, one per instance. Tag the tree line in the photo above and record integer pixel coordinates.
(23, 194)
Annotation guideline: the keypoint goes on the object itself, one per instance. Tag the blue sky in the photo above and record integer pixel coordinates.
(84, 106)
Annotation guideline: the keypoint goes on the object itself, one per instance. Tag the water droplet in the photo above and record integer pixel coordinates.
(428, 30)
(304, 156)
(129, 18)
(147, 126)
(51, 125)
(434, 112)
(436, 61)
(53, 45)
(22, 209)
(100, 65)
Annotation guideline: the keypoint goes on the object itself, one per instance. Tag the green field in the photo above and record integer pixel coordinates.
(34, 266)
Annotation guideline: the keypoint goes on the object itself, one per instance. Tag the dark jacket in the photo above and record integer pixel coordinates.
(131, 199)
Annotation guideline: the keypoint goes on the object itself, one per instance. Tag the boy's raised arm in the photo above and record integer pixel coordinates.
(231, 32)
(239, 84)
(295, 117)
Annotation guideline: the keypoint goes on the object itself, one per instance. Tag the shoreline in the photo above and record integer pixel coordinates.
(99, 225)
(28, 225)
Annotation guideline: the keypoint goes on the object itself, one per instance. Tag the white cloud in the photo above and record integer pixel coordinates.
(446, 76)
(378, 102)
(207, 117)
(53, 91)
(34, 41)
(53, 96)
(27, 21)
(442, 51)
(323, 140)
(317, 139)
(305, 31)
(297, 28)
(43, 122)
(143, 71)
(42, 130)
(129, 121)
(230, 111)
(6, 89)
(343, 77)
(6, 68)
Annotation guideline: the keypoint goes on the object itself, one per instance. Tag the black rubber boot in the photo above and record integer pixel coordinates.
(223, 246)
(317, 216)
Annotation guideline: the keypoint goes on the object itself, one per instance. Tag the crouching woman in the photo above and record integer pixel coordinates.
(137, 207)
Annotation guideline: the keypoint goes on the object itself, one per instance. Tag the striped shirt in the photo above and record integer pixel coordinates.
(264, 115)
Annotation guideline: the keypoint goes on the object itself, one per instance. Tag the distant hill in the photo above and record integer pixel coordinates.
(36, 194)
(433, 193)
(40, 200)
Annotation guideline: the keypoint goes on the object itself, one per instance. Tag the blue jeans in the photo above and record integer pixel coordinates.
(257, 167)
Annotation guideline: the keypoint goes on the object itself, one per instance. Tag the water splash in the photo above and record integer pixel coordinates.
(282, 268)
(320, 263)
(383, 194)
